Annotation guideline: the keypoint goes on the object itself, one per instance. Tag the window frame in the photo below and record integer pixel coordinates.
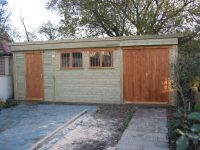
(101, 57)
(70, 52)
(2, 66)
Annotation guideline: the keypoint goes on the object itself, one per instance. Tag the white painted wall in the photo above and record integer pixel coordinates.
(6, 88)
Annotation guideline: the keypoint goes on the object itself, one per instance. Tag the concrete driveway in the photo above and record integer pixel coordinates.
(25, 124)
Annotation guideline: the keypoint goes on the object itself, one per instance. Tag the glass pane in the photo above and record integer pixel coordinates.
(95, 59)
(106, 59)
(65, 58)
(76, 59)
(2, 66)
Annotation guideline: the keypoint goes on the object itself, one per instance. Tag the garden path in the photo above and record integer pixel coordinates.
(147, 130)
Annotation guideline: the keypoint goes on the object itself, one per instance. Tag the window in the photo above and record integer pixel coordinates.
(102, 58)
(2, 66)
(71, 60)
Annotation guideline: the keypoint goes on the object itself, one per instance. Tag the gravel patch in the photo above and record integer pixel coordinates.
(101, 130)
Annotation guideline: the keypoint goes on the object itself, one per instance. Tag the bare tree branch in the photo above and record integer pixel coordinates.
(26, 32)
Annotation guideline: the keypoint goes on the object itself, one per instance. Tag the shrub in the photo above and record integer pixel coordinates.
(197, 108)
(186, 130)
(186, 74)
(2, 103)
(7, 104)
(184, 127)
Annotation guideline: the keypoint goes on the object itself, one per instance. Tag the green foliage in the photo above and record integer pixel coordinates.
(127, 120)
(197, 107)
(7, 104)
(194, 116)
(2, 104)
(186, 129)
(186, 72)
(192, 46)
(182, 143)
(127, 17)
(195, 128)
(49, 30)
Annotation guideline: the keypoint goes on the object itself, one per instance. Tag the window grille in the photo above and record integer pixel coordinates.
(2, 66)
(71, 60)
(101, 59)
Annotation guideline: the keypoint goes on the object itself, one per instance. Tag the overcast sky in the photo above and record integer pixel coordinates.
(33, 12)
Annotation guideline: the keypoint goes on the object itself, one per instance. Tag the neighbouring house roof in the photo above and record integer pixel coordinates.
(97, 42)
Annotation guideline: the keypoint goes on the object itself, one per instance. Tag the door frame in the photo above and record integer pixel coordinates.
(122, 75)
(33, 52)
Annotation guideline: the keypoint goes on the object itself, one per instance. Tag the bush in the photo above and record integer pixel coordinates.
(186, 130)
(186, 76)
(184, 126)
(197, 108)
(7, 104)
(2, 103)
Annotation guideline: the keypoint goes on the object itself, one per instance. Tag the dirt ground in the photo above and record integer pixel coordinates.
(98, 131)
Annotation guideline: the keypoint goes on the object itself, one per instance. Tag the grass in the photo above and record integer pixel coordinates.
(2, 104)
(7, 104)
(127, 120)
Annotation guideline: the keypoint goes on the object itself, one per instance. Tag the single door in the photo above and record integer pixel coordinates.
(145, 75)
(34, 76)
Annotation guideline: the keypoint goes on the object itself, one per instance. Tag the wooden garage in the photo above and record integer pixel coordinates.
(146, 74)
(134, 69)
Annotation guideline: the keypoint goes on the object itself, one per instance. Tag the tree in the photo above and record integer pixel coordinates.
(24, 25)
(7, 32)
(30, 36)
(49, 30)
(185, 71)
(4, 17)
(127, 17)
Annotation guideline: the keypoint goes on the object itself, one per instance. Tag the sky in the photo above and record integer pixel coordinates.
(34, 14)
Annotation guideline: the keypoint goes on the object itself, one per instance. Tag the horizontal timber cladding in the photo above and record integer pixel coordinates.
(19, 76)
(48, 58)
(94, 85)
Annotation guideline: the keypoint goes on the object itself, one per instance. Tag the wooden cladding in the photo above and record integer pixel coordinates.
(34, 76)
(146, 75)
(71, 59)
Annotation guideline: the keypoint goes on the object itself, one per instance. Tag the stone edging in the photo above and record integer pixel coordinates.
(40, 142)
